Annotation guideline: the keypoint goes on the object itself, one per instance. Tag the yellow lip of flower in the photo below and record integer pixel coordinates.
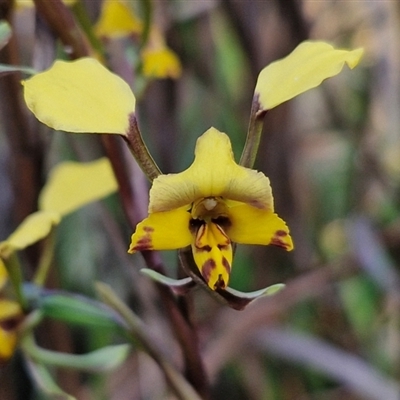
(208, 206)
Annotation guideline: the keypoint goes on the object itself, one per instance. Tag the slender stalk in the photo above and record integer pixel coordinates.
(140, 151)
(45, 260)
(14, 272)
(254, 132)
(62, 22)
(148, 16)
(181, 387)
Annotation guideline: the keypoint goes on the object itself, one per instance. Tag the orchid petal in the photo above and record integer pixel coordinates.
(117, 20)
(161, 63)
(9, 309)
(8, 341)
(72, 185)
(303, 69)
(33, 228)
(80, 96)
(250, 225)
(162, 231)
(212, 253)
(214, 172)
(3, 274)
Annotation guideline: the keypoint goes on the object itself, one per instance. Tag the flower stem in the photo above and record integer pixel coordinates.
(140, 151)
(138, 332)
(61, 21)
(14, 271)
(254, 132)
(45, 260)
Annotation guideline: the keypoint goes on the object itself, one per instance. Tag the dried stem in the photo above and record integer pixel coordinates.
(62, 22)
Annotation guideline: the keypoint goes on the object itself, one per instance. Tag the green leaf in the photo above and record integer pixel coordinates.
(79, 310)
(5, 33)
(45, 381)
(101, 360)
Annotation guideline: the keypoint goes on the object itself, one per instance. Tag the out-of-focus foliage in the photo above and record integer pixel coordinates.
(333, 158)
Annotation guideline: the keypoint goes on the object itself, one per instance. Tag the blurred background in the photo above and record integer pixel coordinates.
(333, 158)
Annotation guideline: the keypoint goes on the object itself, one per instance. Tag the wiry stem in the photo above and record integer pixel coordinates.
(138, 331)
(62, 22)
(254, 132)
(139, 150)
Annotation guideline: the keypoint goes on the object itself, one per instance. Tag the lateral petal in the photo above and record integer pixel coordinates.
(162, 231)
(250, 225)
(33, 228)
(214, 172)
(80, 96)
(303, 69)
(9, 309)
(8, 341)
(3, 274)
(117, 19)
(72, 185)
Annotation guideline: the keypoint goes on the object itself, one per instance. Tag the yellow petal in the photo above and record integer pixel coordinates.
(161, 63)
(8, 341)
(74, 184)
(3, 274)
(9, 309)
(162, 231)
(303, 69)
(80, 96)
(117, 20)
(249, 225)
(212, 253)
(214, 172)
(32, 229)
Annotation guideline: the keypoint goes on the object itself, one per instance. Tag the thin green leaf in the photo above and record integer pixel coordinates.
(45, 381)
(79, 310)
(101, 360)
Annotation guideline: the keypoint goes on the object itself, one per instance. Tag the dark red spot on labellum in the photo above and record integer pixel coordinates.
(226, 265)
(220, 284)
(207, 268)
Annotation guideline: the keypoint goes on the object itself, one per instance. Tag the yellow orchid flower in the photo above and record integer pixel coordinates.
(10, 312)
(118, 20)
(159, 61)
(213, 203)
(210, 205)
